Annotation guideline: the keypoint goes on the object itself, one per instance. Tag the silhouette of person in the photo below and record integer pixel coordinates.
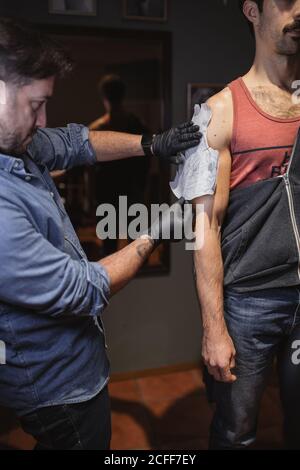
(124, 177)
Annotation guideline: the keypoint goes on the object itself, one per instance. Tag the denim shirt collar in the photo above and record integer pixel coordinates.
(11, 164)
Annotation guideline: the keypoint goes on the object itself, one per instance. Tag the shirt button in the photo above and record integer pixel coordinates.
(52, 194)
(28, 178)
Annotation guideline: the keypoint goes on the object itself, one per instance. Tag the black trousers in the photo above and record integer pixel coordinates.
(80, 426)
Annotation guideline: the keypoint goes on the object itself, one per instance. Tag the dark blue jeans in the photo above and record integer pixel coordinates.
(80, 426)
(263, 325)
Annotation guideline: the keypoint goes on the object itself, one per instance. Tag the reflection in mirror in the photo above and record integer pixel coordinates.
(121, 82)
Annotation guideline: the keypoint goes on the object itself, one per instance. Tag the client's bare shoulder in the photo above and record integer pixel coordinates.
(219, 131)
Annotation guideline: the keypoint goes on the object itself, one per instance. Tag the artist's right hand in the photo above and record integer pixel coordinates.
(169, 225)
(218, 353)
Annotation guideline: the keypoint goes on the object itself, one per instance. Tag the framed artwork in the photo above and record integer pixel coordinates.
(146, 10)
(198, 93)
(73, 7)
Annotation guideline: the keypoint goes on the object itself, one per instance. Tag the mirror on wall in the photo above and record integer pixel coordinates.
(141, 60)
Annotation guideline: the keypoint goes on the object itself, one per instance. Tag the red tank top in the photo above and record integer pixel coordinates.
(261, 145)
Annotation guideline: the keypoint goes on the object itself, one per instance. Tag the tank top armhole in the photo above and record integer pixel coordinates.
(233, 88)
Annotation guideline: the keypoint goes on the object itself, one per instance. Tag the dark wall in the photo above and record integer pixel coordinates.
(211, 42)
(155, 322)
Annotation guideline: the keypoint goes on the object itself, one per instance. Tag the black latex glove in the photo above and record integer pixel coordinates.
(167, 145)
(169, 224)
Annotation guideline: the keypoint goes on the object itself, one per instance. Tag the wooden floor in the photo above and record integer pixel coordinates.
(162, 412)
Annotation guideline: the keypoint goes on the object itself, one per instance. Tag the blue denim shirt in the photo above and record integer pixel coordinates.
(51, 297)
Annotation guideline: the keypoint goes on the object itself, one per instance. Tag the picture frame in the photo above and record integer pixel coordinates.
(73, 7)
(199, 93)
(145, 10)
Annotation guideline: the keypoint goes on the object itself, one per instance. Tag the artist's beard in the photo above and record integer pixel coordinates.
(11, 143)
(12, 140)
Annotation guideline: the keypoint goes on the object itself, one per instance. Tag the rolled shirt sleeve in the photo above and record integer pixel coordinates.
(38, 276)
(62, 148)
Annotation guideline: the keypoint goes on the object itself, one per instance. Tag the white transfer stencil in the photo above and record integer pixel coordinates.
(197, 175)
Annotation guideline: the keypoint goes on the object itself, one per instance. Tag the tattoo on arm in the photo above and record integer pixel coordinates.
(143, 249)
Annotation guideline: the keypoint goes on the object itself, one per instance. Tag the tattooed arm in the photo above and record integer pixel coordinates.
(122, 266)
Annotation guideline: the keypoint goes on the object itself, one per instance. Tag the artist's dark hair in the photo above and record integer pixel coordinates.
(260, 4)
(26, 54)
(112, 88)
